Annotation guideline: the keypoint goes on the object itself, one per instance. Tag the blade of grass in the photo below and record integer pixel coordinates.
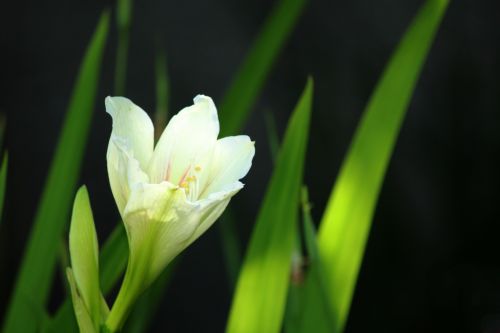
(260, 296)
(123, 19)
(295, 291)
(346, 223)
(250, 78)
(3, 182)
(317, 274)
(37, 268)
(293, 301)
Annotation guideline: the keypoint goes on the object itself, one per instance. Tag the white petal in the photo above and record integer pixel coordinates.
(159, 217)
(133, 126)
(231, 161)
(124, 172)
(214, 206)
(186, 143)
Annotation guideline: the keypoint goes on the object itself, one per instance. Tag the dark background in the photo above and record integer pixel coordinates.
(432, 262)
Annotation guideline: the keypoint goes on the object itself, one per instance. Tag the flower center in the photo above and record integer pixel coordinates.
(190, 183)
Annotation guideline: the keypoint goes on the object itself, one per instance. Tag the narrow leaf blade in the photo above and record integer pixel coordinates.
(254, 70)
(37, 268)
(346, 223)
(260, 296)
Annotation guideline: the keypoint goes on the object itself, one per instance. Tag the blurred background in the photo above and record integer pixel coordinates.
(432, 262)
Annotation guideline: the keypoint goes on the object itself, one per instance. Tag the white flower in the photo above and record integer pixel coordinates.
(170, 194)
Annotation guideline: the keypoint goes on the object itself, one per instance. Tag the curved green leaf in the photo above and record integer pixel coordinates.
(254, 70)
(346, 223)
(37, 268)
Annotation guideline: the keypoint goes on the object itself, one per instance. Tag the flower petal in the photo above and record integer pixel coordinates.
(231, 161)
(214, 206)
(124, 172)
(133, 126)
(158, 217)
(186, 143)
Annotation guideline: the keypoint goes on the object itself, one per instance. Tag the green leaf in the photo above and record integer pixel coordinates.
(3, 182)
(317, 274)
(84, 252)
(252, 74)
(35, 276)
(260, 296)
(346, 223)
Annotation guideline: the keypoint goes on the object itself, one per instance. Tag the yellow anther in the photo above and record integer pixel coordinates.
(184, 184)
(197, 168)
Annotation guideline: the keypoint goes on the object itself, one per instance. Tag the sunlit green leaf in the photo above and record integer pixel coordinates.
(37, 268)
(260, 297)
(346, 223)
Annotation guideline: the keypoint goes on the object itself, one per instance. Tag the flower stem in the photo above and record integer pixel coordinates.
(136, 280)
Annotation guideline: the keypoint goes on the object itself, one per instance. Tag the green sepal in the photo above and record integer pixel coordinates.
(83, 318)
(84, 252)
